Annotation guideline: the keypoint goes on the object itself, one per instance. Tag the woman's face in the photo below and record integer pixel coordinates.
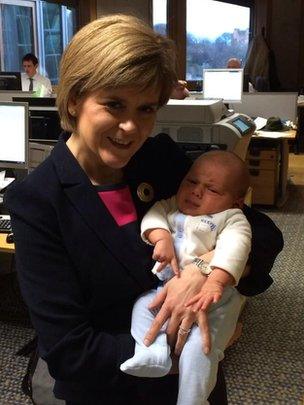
(112, 125)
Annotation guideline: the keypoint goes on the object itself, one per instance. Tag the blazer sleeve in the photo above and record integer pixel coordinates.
(267, 243)
(51, 287)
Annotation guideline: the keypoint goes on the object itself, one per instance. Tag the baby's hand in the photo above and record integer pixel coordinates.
(164, 253)
(211, 292)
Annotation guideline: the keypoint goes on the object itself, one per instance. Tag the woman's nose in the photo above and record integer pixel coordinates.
(128, 125)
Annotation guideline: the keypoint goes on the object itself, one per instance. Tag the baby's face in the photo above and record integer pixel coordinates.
(206, 189)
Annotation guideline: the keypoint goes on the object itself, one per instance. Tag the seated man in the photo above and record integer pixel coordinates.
(31, 80)
(234, 63)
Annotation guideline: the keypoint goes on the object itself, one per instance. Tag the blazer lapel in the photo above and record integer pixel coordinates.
(85, 199)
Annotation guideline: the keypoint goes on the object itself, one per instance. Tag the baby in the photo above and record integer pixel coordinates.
(204, 215)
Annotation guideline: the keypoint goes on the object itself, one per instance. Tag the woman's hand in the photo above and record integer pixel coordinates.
(180, 90)
(171, 301)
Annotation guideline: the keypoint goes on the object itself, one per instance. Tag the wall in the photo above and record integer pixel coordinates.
(284, 28)
(86, 11)
(286, 41)
(262, 11)
(140, 8)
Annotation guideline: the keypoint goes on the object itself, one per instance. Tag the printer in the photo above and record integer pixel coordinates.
(200, 125)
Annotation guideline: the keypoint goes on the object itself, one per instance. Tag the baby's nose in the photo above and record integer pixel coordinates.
(198, 191)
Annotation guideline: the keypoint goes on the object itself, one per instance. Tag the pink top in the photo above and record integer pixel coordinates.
(119, 203)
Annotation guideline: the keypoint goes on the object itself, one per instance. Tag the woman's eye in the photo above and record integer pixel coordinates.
(149, 109)
(113, 105)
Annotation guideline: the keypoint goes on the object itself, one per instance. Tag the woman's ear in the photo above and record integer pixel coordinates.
(72, 107)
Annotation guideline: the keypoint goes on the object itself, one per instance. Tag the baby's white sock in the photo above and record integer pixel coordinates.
(152, 361)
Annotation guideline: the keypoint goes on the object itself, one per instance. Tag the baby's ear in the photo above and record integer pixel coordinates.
(239, 203)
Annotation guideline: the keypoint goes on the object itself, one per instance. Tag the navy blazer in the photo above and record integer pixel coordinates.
(80, 277)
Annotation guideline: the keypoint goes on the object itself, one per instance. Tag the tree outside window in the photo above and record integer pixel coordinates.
(207, 32)
(216, 31)
(160, 16)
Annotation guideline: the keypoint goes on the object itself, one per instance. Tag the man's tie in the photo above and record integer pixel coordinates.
(31, 84)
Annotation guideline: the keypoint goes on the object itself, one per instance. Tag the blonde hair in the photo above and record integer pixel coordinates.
(112, 52)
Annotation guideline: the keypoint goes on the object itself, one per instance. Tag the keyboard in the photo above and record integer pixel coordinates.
(5, 224)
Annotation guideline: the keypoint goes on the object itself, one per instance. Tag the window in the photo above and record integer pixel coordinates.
(206, 32)
(52, 38)
(160, 16)
(16, 34)
(58, 24)
(36, 26)
(216, 31)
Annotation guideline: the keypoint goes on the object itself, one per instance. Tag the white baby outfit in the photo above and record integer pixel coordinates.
(227, 232)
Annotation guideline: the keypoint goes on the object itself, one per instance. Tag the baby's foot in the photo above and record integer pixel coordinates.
(152, 361)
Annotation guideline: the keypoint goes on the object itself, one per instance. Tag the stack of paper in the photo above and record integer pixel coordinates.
(5, 181)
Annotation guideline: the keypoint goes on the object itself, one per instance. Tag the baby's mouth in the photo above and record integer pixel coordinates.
(191, 203)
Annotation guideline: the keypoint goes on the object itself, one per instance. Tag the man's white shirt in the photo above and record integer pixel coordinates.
(41, 84)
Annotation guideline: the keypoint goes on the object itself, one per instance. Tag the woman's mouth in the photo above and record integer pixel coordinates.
(120, 143)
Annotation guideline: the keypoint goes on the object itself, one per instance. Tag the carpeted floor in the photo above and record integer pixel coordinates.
(15, 331)
(265, 366)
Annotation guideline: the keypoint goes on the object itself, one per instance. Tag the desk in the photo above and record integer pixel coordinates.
(6, 247)
(280, 139)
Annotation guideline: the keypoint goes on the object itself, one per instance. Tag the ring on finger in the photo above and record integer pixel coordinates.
(182, 331)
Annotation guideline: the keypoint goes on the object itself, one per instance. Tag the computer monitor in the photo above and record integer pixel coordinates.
(225, 84)
(37, 101)
(44, 123)
(10, 81)
(14, 135)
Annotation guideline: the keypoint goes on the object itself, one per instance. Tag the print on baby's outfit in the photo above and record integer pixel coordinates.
(206, 224)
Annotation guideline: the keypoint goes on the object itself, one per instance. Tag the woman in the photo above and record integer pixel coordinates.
(80, 260)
